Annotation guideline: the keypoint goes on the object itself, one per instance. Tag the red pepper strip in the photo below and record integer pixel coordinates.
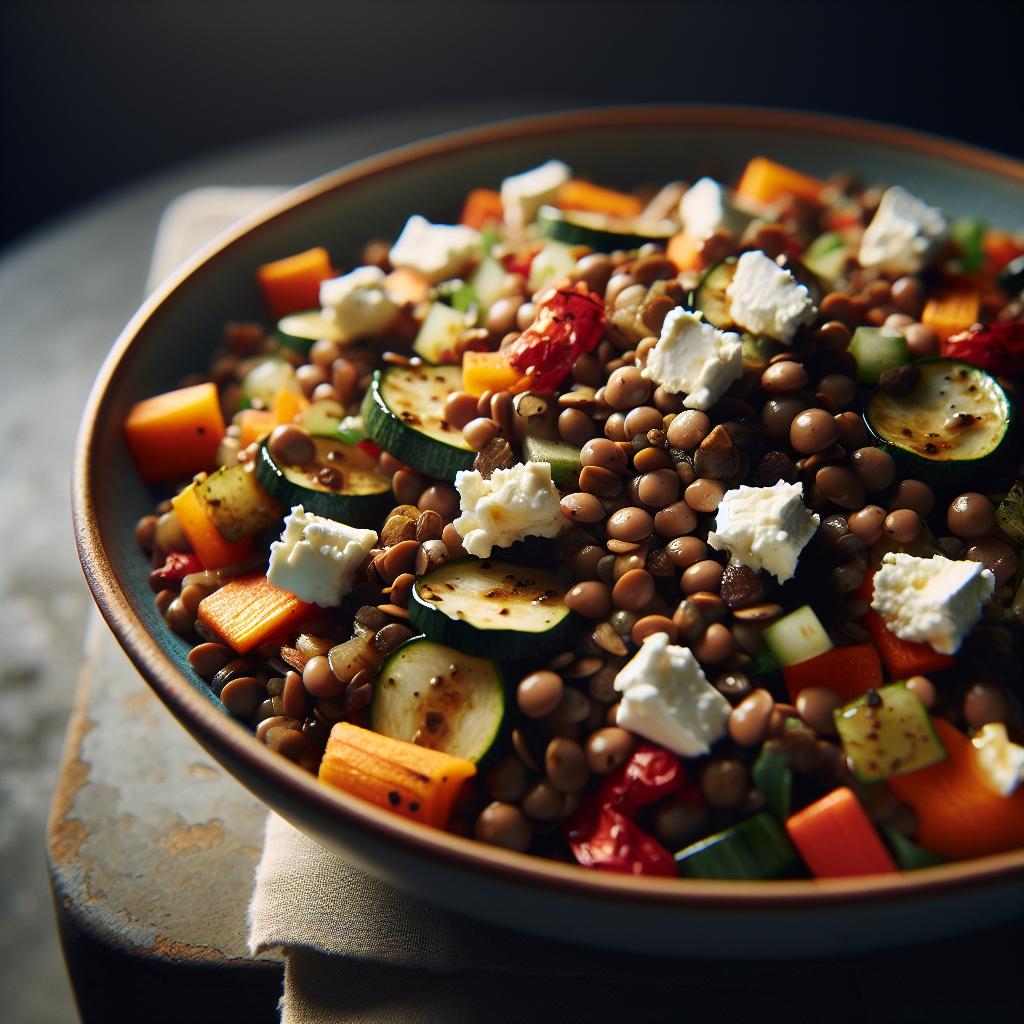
(604, 838)
(568, 322)
(176, 567)
(650, 774)
(903, 658)
(368, 446)
(846, 671)
(998, 348)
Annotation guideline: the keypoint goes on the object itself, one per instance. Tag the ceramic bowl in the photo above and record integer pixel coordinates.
(171, 335)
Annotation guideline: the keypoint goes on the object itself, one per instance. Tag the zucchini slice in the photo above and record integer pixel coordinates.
(876, 351)
(601, 232)
(237, 504)
(403, 411)
(488, 607)
(340, 483)
(710, 298)
(299, 331)
(754, 849)
(563, 459)
(888, 732)
(796, 637)
(265, 379)
(438, 697)
(323, 418)
(955, 419)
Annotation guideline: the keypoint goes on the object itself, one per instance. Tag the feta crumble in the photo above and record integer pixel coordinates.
(694, 358)
(521, 501)
(764, 527)
(767, 300)
(522, 195)
(903, 234)
(667, 699)
(933, 600)
(1001, 761)
(317, 559)
(705, 207)
(358, 303)
(437, 251)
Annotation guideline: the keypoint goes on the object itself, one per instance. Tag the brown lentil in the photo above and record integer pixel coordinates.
(543, 802)
(601, 482)
(658, 489)
(539, 693)
(913, 494)
(971, 515)
(704, 495)
(581, 507)
(575, 427)
(608, 748)
(922, 341)
(784, 375)
(838, 389)
(815, 706)
(922, 688)
(508, 780)
(874, 467)
(984, 703)
(243, 696)
(724, 783)
(750, 720)
(566, 765)
(778, 414)
(209, 658)
(715, 645)
(505, 825)
(407, 485)
(633, 590)
(705, 575)
(684, 551)
(997, 556)
(651, 624)
(902, 526)
(318, 678)
(852, 431)
(626, 388)
(812, 431)
(630, 524)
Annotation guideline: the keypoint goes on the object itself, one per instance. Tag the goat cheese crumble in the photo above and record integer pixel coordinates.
(767, 300)
(903, 234)
(358, 303)
(437, 251)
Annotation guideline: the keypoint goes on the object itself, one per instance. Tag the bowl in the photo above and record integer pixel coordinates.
(171, 335)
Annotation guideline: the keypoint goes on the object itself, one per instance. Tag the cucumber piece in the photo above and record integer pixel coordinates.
(797, 637)
(236, 503)
(956, 419)
(601, 232)
(403, 411)
(826, 257)
(340, 483)
(887, 732)
(490, 607)
(876, 351)
(265, 379)
(710, 298)
(299, 331)
(437, 340)
(322, 418)
(439, 697)
(907, 853)
(488, 283)
(563, 459)
(774, 777)
(757, 848)
(555, 262)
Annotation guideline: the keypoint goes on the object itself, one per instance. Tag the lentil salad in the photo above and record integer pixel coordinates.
(526, 382)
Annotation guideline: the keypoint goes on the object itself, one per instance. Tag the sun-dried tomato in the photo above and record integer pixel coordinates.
(176, 567)
(650, 774)
(569, 321)
(606, 839)
(998, 347)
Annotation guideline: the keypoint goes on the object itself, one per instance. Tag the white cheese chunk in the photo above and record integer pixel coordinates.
(667, 699)
(317, 559)
(767, 300)
(1001, 761)
(695, 359)
(706, 206)
(764, 527)
(522, 195)
(903, 234)
(437, 251)
(358, 303)
(521, 501)
(933, 600)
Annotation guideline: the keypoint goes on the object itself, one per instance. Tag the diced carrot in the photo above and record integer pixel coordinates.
(287, 405)
(582, 195)
(293, 284)
(903, 658)
(999, 248)
(685, 252)
(846, 671)
(249, 610)
(952, 310)
(175, 434)
(765, 181)
(210, 547)
(482, 207)
(836, 839)
(411, 780)
(254, 424)
(959, 815)
(407, 286)
(487, 371)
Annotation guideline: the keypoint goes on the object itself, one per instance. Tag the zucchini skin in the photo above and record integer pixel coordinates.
(562, 228)
(430, 457)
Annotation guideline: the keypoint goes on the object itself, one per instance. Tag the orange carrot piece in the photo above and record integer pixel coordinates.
(959, 815)
(414, 781)
(836, 839)
(765, 181)
(407, 286)
(487, 371)
(293, 284)
(254, 424)
(846, 671)
(210, 547)
(582, 195)
(175, 434)
(482, 207)
(999, 248)
(903, 658)
(685, 252)
(287, 405)
(249, 610)
(952, 311)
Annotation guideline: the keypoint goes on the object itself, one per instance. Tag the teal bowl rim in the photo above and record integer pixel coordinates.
(235, 745)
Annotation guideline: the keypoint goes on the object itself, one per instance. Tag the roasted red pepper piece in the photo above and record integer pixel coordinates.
(568, 322)
(604, 838)
(998, 347)
(650, 774)
(176, 567)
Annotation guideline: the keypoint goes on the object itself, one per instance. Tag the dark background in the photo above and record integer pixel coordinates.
(95, 93)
